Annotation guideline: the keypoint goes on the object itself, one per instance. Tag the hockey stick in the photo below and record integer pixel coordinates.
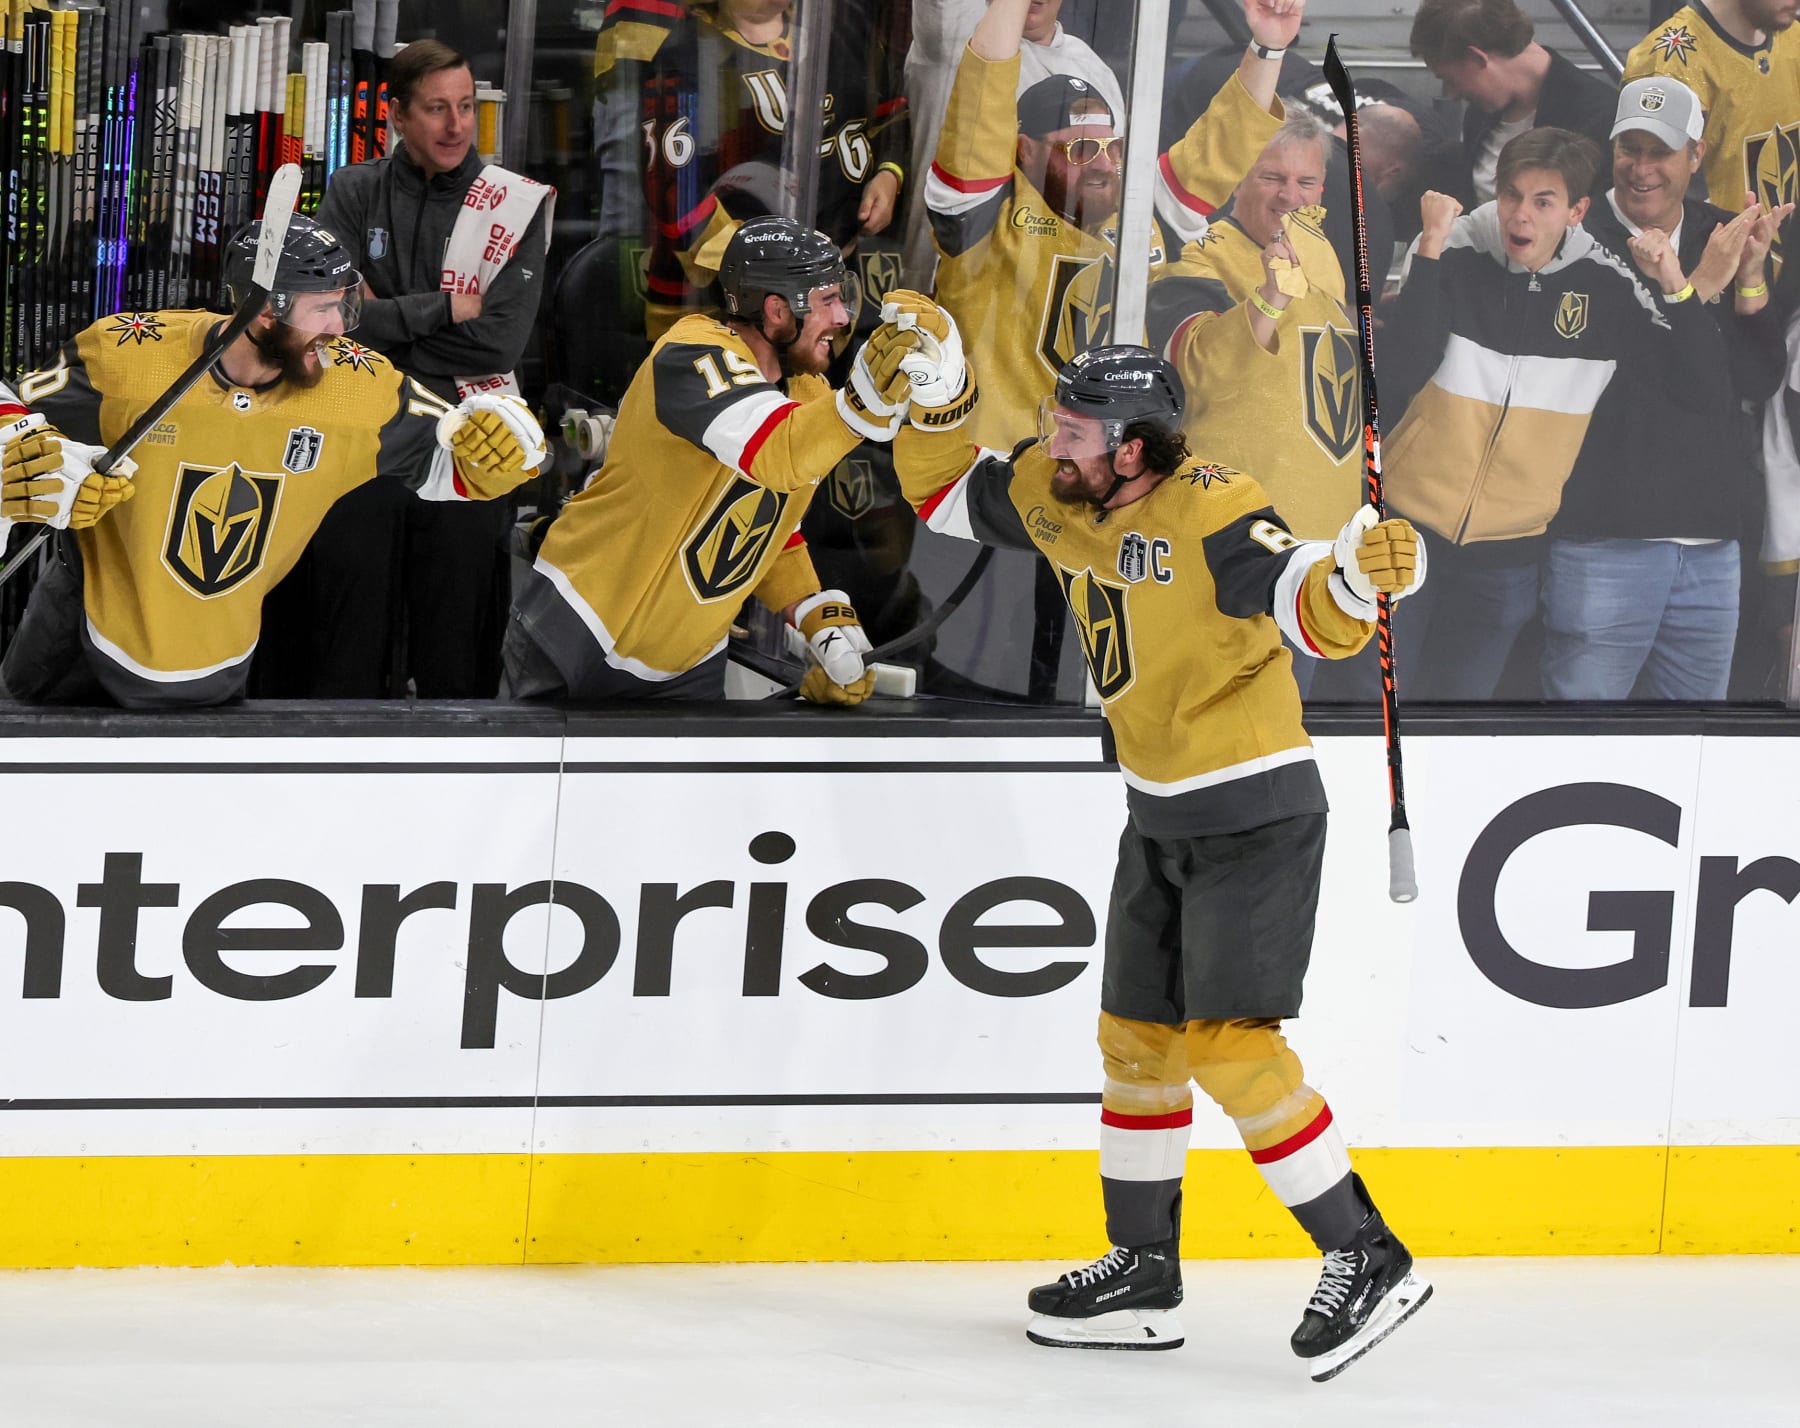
(1403, 885)
(284, 193)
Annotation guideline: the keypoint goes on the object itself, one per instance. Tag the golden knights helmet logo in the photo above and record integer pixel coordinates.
(1077, 310)
(1772, 170)
(219, 527)
(1333, 397)
(1100, 615)
(725, 552)
(852, 489)
(1571, 315)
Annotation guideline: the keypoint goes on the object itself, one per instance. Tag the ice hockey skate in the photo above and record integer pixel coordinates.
(1124, 1300)
(1367, 1290)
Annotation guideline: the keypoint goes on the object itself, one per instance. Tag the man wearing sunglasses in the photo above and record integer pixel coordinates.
(1024, 199)
(1182, 581)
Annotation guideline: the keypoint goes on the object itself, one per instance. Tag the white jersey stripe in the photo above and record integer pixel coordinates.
(160, 676)
(603, 636)
(732, 429)
(1249, 768)
(1287, 593)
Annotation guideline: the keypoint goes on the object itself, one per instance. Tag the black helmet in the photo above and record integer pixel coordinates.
(1120, 385)
(780, 256)
(312, 261)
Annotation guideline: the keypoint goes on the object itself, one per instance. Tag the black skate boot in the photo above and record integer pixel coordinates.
(1122, 1301)
(1368, 1289)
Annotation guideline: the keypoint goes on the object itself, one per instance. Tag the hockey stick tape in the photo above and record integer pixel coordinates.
(517, 416)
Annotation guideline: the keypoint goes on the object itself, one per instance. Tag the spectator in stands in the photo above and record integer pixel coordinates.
(452, 298)
(940, 32)
(1510, 326)
(1484, 53)
(1641, 585)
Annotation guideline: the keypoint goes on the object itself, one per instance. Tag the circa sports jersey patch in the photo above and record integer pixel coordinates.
(219, 525)
(1099, 608)
(304, 444)
(137, 327)
(723, 554)
(1675, 43)
(1571, 315)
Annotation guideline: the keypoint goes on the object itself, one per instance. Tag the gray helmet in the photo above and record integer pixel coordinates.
(1121, 385)
(312, 261)
(780, 256)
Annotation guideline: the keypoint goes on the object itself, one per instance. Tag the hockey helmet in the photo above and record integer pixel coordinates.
(779, 256)
(312, 261)
(1103, 391)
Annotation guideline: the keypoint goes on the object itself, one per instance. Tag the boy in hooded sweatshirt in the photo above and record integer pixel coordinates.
(1511, 323)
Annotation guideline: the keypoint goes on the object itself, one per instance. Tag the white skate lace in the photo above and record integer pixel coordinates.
(1334, 1283)
(1100, 1269)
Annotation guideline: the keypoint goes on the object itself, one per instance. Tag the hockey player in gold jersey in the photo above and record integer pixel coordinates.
(1182, 578)
(720, 440)
(156, 601)
(1023, 198)
(1742, 57)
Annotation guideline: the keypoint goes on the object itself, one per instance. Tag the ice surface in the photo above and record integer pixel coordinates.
(1638, 1343)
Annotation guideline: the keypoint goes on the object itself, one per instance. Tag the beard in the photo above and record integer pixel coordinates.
(286, 347)
(1067, 487)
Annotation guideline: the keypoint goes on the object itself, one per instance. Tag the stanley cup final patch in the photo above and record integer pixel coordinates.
(304, 444)
(377, 244)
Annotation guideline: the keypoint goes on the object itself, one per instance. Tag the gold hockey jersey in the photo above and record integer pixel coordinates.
(231, 485)
(1294, 414)
(1028, 289)
(1180, 599)
(1751, 96)
(697, 506)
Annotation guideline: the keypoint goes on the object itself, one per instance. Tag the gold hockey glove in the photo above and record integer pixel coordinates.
(835, 646)
(47, 479)
(873, 402)
(496, 443)
(943, 390)
(1373, 556)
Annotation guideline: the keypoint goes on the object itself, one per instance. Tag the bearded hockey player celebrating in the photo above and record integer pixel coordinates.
(156, 601)
(1182, 579)
(720, 440)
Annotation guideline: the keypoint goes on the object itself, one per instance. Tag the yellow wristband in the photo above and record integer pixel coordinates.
(890, 167)
(1760, 290)
(1681, 296)
(1267, 309)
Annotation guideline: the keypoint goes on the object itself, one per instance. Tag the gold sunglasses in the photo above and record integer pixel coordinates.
(1082, 152)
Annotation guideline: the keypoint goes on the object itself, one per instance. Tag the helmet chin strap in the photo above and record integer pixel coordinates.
(1120, 480)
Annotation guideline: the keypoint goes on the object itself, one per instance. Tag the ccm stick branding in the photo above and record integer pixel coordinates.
(129, 907)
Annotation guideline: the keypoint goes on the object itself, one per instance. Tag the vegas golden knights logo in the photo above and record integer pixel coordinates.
(1099, 609)
(852, 488)
(1571, 315)
(880, 276)
(219, 527)
(1333, 395)
(1772, 167)
(723, 555)
(1076, 316)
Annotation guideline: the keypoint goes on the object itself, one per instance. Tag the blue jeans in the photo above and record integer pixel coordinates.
(1451, 639)
(1648, 615)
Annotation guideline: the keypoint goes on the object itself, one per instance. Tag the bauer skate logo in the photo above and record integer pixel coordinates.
(1332, 399)
(137, 328)
(852, 490)
(304, 444)
(219, 527)
(727, 548)
(1099, 607)
(1571, 315)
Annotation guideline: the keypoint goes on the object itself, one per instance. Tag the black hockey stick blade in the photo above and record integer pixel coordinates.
(284, 194)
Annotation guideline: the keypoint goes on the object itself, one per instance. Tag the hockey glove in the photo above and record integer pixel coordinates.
(48, 479)
(496, 443)
(873, 402)
(943, 391)
(835, 646)
(1373, 556)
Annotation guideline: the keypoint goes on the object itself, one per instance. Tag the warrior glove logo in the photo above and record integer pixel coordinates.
(725, 553)
(1571, 315)
(219, 527)
(1099, 609)
(1329, 369)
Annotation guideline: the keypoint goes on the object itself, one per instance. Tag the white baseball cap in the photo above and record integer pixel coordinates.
(1662, 106)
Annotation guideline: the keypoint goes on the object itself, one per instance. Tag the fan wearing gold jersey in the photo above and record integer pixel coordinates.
(1023, 197)
(1182, 579)
(1742, 57)
(156, 601)
(720, 440)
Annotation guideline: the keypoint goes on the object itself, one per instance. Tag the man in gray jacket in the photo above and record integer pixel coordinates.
(452, 252)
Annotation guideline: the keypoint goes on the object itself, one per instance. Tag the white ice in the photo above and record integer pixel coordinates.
(1588, 1343)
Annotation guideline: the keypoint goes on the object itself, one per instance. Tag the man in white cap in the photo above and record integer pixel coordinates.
(1641, 586)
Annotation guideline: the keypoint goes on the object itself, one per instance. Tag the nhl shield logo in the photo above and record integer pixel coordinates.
(725, 552)
(1099, 608)
(1332, 404)
(219, 526)
(304, 444)
(1571, 315)
(378, 244)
